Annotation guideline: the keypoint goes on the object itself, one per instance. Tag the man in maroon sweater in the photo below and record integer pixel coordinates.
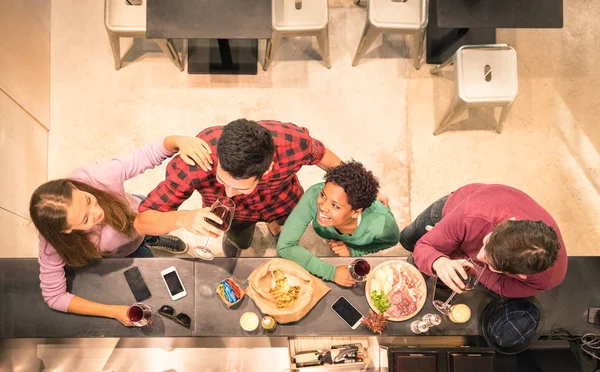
(497, 225)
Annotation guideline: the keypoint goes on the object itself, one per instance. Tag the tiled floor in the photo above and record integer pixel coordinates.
(381, 112)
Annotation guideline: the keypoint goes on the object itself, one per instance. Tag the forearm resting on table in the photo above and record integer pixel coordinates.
(424, 256)
(82, 306)
(307, 260)
(156, 223)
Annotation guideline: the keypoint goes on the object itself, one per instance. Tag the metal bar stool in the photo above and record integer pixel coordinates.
(299, 18)
(127, 18)
(394, 16)
(485, 76)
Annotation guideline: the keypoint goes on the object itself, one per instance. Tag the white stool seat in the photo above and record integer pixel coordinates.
(485, 75)
(120, 17)
(478, 83)
(311, 16)
(407, 15)
(387, 16)
(129, 20)
(298, 18)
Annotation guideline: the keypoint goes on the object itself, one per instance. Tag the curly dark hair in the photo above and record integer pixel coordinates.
(360, 185)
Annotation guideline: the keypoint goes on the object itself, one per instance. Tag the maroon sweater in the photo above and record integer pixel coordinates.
(471, 213)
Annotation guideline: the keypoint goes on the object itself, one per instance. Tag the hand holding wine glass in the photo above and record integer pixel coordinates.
(219, 219)
(195, 221)
(452, 272)
(342, 276)
(465, 277)
(223, 209)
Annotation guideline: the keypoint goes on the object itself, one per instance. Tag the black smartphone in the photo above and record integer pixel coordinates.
(137, 284)
(347, 312)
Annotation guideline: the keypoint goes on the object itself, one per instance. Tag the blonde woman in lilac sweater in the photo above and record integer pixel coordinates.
(89, 215)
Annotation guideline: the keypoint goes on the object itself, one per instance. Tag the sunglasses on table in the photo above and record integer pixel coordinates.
(181, 319)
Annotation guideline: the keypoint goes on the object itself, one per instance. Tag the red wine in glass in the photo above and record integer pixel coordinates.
(224, 209)
(473, 274)
(224, 213)
(135, 313)
(359, 269)
(140, 314)
(470, 281)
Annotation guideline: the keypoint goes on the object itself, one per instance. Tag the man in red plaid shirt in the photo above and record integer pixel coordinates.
(256, 166)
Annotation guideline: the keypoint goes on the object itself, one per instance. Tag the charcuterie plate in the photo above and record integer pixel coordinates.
(403, 286)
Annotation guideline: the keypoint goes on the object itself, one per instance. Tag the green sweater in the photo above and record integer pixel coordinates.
(377, 230)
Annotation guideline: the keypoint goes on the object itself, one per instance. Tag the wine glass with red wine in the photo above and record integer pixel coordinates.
(224, 208)
(140, 314)
(473, 275)
(359, 269)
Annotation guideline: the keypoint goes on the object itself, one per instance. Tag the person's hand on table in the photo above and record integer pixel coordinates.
(338, 247)
(194, 222)
(120, 313)
(342, 276)
(448, 271)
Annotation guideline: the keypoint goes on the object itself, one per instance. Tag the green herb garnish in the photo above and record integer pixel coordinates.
(381, 301)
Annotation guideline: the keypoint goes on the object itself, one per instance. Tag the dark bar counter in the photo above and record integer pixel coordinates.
(24, 314)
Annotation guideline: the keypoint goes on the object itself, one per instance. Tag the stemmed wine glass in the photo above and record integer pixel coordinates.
(359, 269)
(473, 275)
(223, 208)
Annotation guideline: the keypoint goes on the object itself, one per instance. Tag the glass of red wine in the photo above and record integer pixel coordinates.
(473, 275)
(359, 269)
(224, 208)
(140, 314)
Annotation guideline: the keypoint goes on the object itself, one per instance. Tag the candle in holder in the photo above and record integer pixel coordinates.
(460, 313)
(249, 321)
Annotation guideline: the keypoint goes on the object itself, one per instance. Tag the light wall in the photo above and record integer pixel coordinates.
(24, 118)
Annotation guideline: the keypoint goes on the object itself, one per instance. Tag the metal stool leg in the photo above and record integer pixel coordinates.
(438, 68)
(323, 40)
(368, 36)
(420, 38)
(503, 115)
(272, 46)
(456, 106)
(115, 45)
(168, 47)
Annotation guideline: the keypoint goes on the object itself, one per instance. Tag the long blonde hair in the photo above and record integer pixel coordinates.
(48, 211)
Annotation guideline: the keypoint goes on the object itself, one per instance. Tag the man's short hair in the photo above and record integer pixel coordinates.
(522, 247)
(245, 149)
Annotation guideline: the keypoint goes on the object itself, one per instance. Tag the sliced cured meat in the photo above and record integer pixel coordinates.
(398, 297)
(393, 312)
(402, 305)
(396, 275)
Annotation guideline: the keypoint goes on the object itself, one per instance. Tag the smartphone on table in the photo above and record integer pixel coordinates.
(173, 282)
(345, 310)
(137, 284)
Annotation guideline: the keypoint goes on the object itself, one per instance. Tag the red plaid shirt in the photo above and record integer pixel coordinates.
(276, 194)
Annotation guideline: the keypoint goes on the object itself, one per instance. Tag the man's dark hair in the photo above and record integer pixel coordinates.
(522, 247)
(359, 184)
(245, 149)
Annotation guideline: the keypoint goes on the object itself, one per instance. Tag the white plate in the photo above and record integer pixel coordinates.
(405, 265)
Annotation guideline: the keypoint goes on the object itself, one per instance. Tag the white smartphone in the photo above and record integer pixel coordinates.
(347, 312)
(173, 283)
